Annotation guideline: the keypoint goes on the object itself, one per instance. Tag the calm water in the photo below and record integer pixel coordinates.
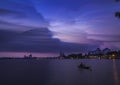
(59, 72)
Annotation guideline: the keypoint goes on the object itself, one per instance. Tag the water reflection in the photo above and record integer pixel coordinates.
(59, 72)
(115, 73)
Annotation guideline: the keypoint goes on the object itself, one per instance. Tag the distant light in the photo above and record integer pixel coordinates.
(113, 55)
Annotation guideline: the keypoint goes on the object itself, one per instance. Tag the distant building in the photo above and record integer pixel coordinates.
(95, 54)
(62, 55)
(28, 57)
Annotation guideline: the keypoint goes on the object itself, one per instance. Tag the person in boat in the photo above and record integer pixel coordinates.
(82, 65)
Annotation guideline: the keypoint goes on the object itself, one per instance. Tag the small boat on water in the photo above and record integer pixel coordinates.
(82, 66)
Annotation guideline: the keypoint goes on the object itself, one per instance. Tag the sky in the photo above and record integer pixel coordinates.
(47, 27)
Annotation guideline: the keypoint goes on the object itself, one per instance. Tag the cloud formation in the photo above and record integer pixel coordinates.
(37, 40)
(50, 26)
(17, 37)
(22, 13)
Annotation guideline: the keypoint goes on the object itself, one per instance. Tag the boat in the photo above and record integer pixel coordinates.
(82, 66)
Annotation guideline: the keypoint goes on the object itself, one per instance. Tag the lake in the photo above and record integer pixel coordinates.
(59, 72)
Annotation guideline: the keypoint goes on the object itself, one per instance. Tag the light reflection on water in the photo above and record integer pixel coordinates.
(115, 72)
(59, 72)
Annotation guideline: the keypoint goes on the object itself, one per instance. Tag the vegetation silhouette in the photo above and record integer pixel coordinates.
(117, 0)
(117, 14)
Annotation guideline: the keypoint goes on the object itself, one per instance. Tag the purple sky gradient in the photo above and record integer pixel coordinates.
(46, 27)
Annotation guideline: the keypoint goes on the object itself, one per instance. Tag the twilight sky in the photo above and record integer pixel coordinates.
(46, 27)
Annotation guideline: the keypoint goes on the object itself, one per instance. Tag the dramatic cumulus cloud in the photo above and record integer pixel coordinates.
(50, 26)
(24, 29)
(37, 40)
(34, 41)
(90, 21)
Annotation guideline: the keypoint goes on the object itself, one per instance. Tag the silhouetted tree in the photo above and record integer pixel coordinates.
(106, 51)
(117, 0)
(117, 14)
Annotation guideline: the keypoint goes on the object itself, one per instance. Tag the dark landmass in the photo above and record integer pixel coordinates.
(96, 54)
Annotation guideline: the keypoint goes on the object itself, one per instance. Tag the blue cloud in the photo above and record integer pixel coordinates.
(25, 25)
(37, 40)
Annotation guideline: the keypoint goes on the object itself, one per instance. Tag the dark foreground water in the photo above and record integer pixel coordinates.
(59, 72)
